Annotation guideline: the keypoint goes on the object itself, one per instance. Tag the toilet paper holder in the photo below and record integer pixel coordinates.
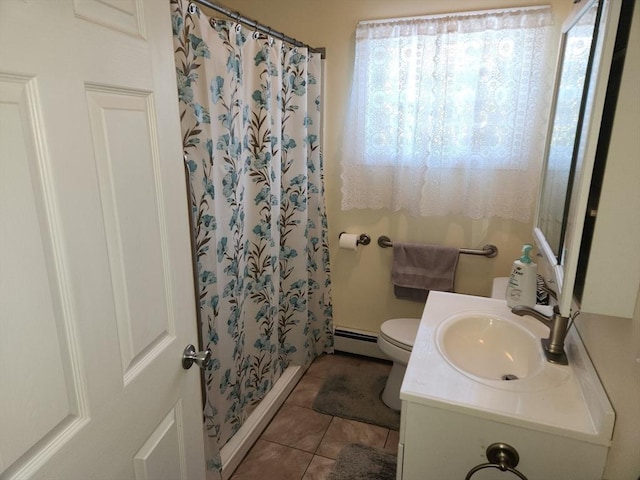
(363, 239)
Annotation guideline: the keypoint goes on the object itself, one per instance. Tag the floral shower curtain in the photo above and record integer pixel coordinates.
(250, 114)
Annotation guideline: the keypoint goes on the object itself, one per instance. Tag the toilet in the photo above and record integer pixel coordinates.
(395, 340)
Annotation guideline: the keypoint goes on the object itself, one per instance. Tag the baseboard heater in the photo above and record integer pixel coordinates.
(357, 342)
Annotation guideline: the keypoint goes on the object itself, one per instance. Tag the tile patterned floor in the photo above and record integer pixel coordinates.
(302, 444)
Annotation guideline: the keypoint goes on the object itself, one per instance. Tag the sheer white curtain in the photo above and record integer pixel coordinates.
(448, 114)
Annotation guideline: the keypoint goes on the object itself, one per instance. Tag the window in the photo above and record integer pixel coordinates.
(447, 113)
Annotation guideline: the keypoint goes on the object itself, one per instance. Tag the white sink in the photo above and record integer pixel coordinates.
(466, 344)
(487, 346)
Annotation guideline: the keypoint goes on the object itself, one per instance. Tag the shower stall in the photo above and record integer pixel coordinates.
(251, 117)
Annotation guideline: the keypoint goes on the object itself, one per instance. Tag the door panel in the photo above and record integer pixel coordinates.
(161, 457)
(126, 151)
(96, 298)
(122, 15)
(31, 291)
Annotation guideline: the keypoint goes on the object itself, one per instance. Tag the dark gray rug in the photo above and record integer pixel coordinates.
(361, 462)
(356, 397)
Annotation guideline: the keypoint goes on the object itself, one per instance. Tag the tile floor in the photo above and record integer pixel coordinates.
(302, 444)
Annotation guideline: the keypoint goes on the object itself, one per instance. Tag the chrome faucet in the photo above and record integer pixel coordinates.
(553, 347)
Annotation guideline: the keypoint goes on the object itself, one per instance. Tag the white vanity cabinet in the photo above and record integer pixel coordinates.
(556, 417)
(444, 444)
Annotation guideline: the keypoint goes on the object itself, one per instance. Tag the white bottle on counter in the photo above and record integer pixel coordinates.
(521, 289)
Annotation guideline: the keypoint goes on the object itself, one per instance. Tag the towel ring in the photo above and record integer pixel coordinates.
(501, 456)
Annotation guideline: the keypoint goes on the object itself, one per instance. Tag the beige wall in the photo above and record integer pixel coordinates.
(614, 343)
(362, 293)
(614, 347)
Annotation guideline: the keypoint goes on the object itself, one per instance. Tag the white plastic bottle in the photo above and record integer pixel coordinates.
(521, 289)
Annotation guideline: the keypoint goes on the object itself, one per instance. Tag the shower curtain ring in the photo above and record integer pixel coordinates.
(192, 8)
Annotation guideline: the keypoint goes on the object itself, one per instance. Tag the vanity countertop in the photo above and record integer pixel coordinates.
(573, 405)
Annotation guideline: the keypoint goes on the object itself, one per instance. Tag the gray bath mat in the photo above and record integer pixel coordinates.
(361, 462)
(356, 397)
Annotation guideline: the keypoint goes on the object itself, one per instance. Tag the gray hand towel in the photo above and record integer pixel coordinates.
(419, 268)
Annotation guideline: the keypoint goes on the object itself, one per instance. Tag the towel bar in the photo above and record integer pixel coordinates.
(488, 250)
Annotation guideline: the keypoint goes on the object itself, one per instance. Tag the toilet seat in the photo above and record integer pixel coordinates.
(400, 332)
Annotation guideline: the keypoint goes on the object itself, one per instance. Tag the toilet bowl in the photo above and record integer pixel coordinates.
(395, 340)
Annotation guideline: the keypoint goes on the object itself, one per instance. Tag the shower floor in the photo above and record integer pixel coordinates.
(302, 444)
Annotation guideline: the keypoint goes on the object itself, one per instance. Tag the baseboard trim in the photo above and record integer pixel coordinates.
(357, 342)
(240, 444)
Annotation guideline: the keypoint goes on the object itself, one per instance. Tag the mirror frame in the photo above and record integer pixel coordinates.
(559, 270)
(555, 237)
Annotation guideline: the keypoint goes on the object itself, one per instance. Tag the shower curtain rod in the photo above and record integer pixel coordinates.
(262, 28)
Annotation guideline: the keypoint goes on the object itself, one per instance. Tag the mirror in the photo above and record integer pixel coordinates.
(582, 74)
(568, 107)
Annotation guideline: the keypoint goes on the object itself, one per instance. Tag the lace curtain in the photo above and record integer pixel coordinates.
(448, 114)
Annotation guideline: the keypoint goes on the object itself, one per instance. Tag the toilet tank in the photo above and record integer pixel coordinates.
(499, 288)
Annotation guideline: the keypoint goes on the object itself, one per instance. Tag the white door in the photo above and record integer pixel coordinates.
(96, 285)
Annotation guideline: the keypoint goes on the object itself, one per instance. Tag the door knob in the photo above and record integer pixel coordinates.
(190, 356)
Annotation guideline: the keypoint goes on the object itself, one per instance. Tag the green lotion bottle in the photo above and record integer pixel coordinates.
(521, 289)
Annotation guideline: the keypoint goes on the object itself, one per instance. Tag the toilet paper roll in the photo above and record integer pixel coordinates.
(349, 241)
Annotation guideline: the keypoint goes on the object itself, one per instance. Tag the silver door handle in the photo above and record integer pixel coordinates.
(190, 356)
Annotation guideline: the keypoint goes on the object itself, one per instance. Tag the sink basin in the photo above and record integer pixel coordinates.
(464, 347)
(489, 347)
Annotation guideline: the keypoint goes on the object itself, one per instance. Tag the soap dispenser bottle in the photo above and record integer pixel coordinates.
(521, 289)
